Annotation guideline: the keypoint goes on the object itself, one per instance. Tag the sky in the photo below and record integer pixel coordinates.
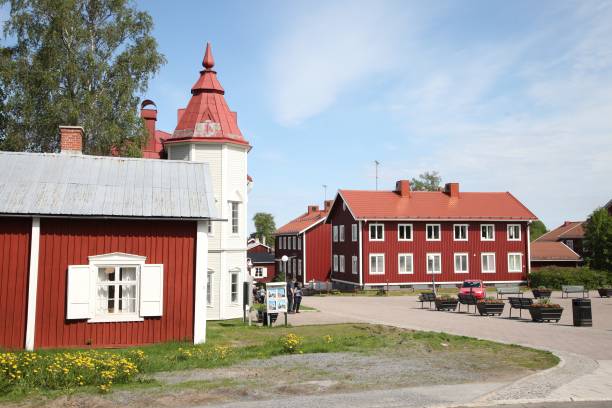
(498, 96)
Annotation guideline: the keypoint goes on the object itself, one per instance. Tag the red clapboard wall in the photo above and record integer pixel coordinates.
(14, 265)
(70, 242)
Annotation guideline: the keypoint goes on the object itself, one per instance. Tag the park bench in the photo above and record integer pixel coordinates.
(520, 304)
(468, 300)
(509, 290)
(567, 289)
(427, 297)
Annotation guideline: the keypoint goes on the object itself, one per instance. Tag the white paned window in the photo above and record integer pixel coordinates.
(434, 264)
(377, 232)
(294, 270)
(377, 264)
(341, 233)
(461, 263)
(260, 272)
(487, 232)
(514, 232)
(235, 219)
(341, 260)
(299, 243)
(404, 264)
(404, 232)
(299, 267)
(209, 289)
(290, 242)
(283, 242)
(234, 287)
(433, 232)
(116, 290)
(488, 262)
(210, 227)
(515, 262)
(335, 263)
(354, 232)
(335, 233)
(460, 232)
(355, 267)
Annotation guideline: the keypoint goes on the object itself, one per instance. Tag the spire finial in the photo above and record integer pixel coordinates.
(209, 61)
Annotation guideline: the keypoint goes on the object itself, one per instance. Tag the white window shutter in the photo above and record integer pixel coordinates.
(79, 304)
(151, 290)
(264, 272)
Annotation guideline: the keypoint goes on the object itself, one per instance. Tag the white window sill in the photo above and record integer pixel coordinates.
(515, 271)
(488, 271)
(514, 240)
(460, 240)
(434, 273)
(487, 240)
(376, 240)
(405, 273)
(377, 273)
(462, 272)
(113, 319)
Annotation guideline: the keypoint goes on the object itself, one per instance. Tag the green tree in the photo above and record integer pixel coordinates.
(264, 227)
(428, 181)
(75, 62)
(537, 229)
(598, 240)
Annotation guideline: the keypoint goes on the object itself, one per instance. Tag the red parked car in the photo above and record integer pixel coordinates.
(474, 287)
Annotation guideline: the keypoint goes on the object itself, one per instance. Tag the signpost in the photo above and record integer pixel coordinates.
(276, 299)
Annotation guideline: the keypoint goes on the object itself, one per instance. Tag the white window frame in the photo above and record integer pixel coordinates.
(520, 262)
(467, 229)
(235, 218)
(427, 232)
(335, 263)
(433, 254)
(294, 239)
(408, 226)
(355, 265)
(209, 228)
(299, 243)
(335, 233)
(342, 264)
(482, 256)
(399, 263)
(509, 227)
(260, 272)
(492, 230)
(209, 288)
(467, 261)
(354, 233)
(375, 226)
(236, 273)
(377, 264)
(341, 233)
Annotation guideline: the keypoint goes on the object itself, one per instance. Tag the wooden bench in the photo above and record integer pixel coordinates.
(427, 297)
(509, 290)
(519, 303)
(567, 289)
(468, 300)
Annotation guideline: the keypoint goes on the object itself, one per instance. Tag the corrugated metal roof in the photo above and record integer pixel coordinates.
(81, 185)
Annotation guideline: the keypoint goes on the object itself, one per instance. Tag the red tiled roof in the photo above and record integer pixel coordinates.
(552, 251)
(569, 230)
(435, 205)
(302, 222)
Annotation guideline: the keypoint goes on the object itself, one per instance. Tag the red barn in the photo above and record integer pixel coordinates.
(403, 238)
(101, 251)
(306, 241)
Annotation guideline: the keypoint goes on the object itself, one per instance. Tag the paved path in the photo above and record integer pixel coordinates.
(584, 374)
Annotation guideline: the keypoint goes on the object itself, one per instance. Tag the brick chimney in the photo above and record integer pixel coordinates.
(312, 208)
(71, 139)
(402, 187)
(452, 189)
(328, 204)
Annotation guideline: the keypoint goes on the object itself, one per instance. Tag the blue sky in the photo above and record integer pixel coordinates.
(498, 96)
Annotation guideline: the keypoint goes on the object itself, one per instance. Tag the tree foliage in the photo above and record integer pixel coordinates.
(537, 229)
(265, 227)
(598, 240)
(428, 181)
(75, 62)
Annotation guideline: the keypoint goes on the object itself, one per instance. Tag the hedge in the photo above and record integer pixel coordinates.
(553, 277)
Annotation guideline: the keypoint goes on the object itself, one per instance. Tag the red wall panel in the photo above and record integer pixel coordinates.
(318, 252)
(292, 254)
(271, 269)
(348, 248)
(14, 266)
(69, 242)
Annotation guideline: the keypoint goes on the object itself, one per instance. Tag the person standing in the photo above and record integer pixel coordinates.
(297, 297)
(290, 289)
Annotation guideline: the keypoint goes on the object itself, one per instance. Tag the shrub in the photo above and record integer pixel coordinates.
(554, 277)
(291, 343)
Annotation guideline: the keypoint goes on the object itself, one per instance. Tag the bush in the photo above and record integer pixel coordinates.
(554, 277)
(291, 343)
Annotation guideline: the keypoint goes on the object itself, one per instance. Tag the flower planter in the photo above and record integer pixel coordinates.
(541, 293)
(263, 317)
(605, 292)
(545, 314)
(446, 304)
(490, 309)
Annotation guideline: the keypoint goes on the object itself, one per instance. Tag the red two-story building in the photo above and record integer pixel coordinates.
(403, 238)
(306, 241)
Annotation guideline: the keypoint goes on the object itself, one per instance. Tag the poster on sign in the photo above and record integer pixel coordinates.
(276, 297)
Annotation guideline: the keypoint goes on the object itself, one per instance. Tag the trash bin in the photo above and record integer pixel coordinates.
(582, 312)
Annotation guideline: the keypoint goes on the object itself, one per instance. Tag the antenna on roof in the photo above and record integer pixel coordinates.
(376, 163)
(325, 192)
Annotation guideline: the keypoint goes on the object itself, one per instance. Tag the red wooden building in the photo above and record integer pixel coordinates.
(306, 241)
(101, 251)
(263, 266)
(562, 246)
(403, 238)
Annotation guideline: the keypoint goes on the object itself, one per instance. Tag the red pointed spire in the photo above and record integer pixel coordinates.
(208, 61)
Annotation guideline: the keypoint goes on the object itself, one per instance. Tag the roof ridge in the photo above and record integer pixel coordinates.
(91, 156)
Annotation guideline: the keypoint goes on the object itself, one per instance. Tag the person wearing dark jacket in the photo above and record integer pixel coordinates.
(290, 289)
(297, 297)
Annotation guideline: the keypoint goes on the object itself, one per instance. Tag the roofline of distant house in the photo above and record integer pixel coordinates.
(555, 260)
(298, 232)
(109, 217)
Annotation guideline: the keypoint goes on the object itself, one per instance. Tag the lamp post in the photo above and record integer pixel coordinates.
(247, 294)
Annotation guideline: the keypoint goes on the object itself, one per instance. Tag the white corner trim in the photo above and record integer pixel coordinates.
(528, 249)
(201, 277)
(304, 258)
(32, 284)
(360, 254)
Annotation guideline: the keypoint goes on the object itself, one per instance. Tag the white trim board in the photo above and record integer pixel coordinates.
(32, 284)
